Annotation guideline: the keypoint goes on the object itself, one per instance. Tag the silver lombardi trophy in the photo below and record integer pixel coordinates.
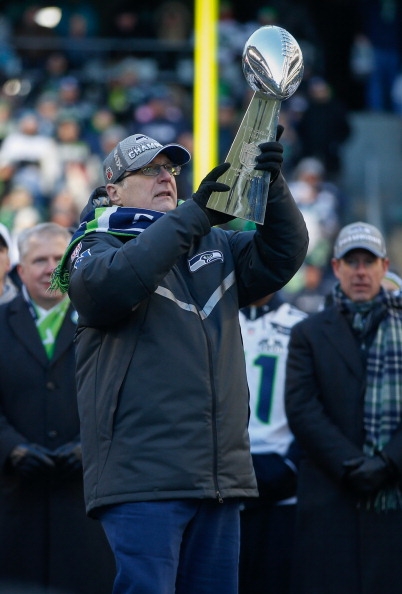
(273, 67)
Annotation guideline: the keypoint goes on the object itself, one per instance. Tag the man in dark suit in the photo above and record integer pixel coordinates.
(344, 405)
(46, 541)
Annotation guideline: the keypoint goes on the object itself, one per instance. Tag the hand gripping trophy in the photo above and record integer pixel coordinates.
(273, 67)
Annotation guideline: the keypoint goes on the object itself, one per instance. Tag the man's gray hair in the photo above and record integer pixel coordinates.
(42, 229)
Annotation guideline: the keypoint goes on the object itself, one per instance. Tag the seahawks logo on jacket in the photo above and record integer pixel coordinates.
(80, 257)
(200, 260)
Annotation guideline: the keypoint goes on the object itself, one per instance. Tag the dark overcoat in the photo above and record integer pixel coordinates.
(341, 546)
(45, 536)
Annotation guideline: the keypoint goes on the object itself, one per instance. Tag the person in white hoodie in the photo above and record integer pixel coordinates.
(8, 289)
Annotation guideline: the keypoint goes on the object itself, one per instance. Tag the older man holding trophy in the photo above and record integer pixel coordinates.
(162, 385)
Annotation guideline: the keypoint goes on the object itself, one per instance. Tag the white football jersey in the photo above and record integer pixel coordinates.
(266, 341)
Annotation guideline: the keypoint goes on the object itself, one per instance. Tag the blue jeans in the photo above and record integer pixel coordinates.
(174, 547)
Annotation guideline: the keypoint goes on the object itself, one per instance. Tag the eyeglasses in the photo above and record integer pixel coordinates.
(154, 170)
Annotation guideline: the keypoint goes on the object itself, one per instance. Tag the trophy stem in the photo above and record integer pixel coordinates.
(248, 195)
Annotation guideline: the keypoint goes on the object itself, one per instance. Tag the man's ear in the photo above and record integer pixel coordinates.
(335, 266)
(20, 271)
(113, 193)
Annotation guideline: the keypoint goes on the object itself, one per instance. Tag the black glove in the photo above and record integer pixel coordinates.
(68, 459)
(31, 460)
(366, 475)
(207, 186)
(275, 479)
(271, 156)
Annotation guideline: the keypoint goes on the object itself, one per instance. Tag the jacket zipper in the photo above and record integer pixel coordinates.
(214, 430)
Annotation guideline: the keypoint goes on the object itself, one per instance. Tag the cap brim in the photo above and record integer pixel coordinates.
(377, 253)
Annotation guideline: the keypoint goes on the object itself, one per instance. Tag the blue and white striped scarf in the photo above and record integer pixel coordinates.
(121, 221)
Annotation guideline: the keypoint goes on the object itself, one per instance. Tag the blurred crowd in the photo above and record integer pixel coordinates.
(70, 92)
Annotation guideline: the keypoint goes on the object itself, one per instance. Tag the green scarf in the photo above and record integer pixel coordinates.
(48, 323)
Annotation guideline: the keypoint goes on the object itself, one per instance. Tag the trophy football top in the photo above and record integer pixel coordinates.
(273, 62)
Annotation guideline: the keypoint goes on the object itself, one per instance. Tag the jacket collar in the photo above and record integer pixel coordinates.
(338, 332)
(23, 326)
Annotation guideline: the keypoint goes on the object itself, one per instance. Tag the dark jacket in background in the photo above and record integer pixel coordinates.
(45, 537)
(340, 547)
